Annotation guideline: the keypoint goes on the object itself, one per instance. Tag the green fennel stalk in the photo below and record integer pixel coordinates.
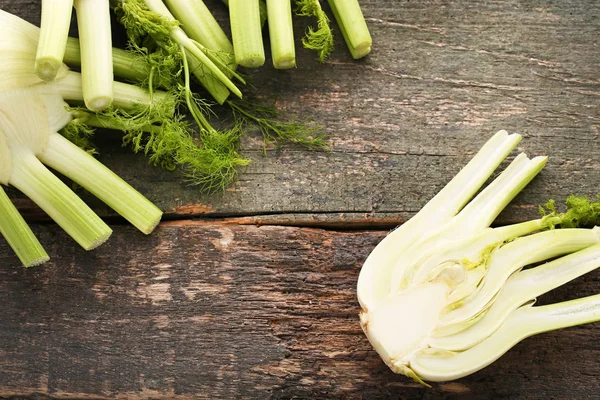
(54, 31)
(354, 28)
(73, 162)
(59, 202)
(127, 65)
(93, 21)
(262, 6)
(152, 17)
(246, 33)
(281, 33)
(19, 235)
(200, 25)
(198, 22)
(150, 35)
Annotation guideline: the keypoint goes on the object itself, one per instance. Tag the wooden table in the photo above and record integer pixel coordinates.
(250, 293)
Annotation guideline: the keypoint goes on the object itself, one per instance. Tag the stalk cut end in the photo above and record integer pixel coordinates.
(46, 68)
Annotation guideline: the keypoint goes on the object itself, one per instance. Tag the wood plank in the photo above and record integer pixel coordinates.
(441, 79)
(223, 311)
(232, 308)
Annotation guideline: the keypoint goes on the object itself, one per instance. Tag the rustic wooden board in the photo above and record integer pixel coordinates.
(217, 305)
(443, 77)
(228, 311)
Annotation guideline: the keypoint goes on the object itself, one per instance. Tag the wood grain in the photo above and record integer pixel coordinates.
(229, 311)
(250, 293)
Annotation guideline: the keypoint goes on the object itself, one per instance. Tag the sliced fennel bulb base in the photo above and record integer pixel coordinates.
(447, 281)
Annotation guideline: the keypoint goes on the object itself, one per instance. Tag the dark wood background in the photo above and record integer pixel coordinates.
(250, 293)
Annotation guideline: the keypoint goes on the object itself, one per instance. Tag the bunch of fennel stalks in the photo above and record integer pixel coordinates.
(178, 41)
(37, 86)
(32, 112)
(445, 295)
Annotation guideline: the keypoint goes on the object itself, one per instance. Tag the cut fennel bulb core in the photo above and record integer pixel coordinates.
(445, 295)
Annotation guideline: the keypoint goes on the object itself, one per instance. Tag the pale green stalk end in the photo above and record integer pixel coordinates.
(93, 20)
(54, 31)
(354, 28)
(81, 167)
(281, 33)
(19, 235)
(59, 202)
(246, 32)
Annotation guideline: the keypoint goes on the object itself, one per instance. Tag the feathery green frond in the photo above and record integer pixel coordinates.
(306, 134)
(321, 39)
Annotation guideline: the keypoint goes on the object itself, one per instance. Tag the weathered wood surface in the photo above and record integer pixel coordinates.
(220, 308)
(230, 311)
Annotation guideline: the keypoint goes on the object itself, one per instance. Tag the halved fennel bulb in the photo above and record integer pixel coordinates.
(445, 295)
